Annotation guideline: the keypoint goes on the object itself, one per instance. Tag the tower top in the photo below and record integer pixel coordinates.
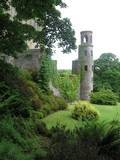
(86, 32)
(86, 37)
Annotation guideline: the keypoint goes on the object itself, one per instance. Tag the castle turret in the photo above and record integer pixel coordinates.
(86, 65)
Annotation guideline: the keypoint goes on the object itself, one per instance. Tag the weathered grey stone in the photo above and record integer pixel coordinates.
(29, 60)
(76, 67)
(86, 65)
(54, 90)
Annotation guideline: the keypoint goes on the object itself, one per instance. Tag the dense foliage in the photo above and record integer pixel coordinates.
(105, 97)
(19, 95)
(23, 102)
(84, 111)
(20, 139)
(68, 85)
(22, 105)
(92, 141)
(107, 73)
(24, 136)
(14, 32)
(46, 73)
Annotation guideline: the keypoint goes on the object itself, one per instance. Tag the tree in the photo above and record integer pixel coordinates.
(45, 73)
(67, 84)
(14, 34)
(107, 73)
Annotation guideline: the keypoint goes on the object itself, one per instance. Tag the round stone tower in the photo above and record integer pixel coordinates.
(86, 65)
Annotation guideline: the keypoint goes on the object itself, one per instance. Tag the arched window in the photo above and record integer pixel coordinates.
(86, 67)
(85, 39)
(92, 67)
(91, 53)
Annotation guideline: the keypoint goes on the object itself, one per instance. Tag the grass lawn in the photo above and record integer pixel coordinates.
(107, 113)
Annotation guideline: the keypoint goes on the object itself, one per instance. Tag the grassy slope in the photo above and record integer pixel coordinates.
(107, 113)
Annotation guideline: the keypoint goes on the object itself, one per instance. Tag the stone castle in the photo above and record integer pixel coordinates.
(84, 65)
(30, 59)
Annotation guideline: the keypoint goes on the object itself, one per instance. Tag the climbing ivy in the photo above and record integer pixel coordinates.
(46, 73)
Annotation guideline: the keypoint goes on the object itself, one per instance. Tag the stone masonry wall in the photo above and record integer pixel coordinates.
(30, 60)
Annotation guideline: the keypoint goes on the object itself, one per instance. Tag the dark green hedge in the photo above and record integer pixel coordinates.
(104, 97)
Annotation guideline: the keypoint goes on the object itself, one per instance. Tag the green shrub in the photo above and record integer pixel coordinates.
(46, 103)
(8, 131)
(84, 111)
(45, 74)
(37, 115)
(62, 105)
(92, 141)
(52, 104)
(25, 74)
(11, 151)
(68, 85)
(41, 128)
(40, 154)
(46, 109)
(19, 95)
(105, 97)
(14, 103)
(20, 136)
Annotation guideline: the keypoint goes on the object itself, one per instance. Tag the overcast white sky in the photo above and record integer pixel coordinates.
(100, 16)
